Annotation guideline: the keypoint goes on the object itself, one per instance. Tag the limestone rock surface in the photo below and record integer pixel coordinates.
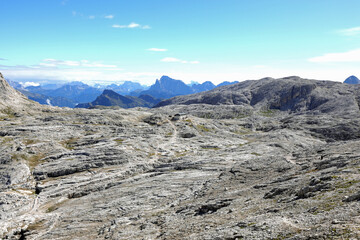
(246, 172)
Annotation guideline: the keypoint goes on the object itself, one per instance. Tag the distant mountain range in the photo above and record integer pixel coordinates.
(167, 87)
(70, 94)
(126, 95)
(132, 94)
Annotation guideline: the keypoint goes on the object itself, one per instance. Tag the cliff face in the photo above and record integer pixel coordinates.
(199, 171)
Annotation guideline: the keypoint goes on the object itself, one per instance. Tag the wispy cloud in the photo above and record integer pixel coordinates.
(350, 56)
(3, 59)
(83, 63)
(109, 16)
(176, 60)
(157, 49)
(131, 25)
(91, 17)
(49, 62)
(350, 31)
(170, 59)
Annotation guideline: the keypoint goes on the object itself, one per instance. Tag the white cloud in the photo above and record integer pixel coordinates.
(109, 16)
(170, 59)
(350, 31)
(131, 25)
(53, 62)
(350, 56)
(91, 17)
(174, 60)
(28, 84)
(157, 49)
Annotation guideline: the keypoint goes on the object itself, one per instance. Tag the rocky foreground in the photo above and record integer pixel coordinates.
(285, 165)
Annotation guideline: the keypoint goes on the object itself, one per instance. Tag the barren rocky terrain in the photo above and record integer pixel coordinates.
(267, 159)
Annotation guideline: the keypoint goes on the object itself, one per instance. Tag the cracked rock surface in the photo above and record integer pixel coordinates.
(211, 172)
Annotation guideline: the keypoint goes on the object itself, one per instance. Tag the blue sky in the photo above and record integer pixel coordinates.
(141, 40)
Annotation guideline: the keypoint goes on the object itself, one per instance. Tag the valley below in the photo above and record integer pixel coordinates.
(266, 159)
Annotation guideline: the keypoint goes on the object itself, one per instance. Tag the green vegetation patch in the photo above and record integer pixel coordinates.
(9, 112)
(203, 128)
(55, 207)
(210, 148)
(346, 184)
(268, 112)
(69, 144)
(119, 141)
(30, 141)
(37, 226)
(6, 140)
(19, 156)
(32, 159)
(190, 122)
(35, 160)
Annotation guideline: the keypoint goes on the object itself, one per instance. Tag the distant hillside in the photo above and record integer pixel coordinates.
(111, 98)
(352, 80)
(47, 100)
(286, 94)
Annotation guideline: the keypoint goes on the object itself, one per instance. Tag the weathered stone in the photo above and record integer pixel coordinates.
(247, 172)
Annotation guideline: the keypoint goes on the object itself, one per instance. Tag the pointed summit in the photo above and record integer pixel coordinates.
(352, 80)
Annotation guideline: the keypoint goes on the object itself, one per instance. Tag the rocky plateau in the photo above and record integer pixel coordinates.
(266, 159)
